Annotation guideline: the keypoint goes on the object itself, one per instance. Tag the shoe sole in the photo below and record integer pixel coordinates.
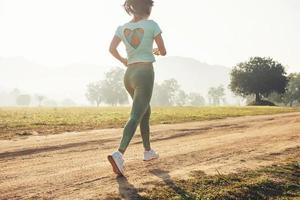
(114, 165)
(151, 159)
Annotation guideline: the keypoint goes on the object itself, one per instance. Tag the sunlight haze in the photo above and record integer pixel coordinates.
(60, 32)
(57, 47)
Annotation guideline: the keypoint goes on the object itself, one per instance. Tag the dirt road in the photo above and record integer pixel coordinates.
(74, 165)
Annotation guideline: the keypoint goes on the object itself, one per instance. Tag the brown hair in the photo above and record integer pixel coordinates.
(138, 7)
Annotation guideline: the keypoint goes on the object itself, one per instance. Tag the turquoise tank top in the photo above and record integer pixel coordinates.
(138, 38)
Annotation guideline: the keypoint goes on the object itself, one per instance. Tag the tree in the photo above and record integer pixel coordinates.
(110, 90)
(258, 76)
(68, 103)
(170, 88)
(164, 94)
(40, 99)
(216, 94)
(23, 100)
(94, 93)
(180, 98)
(292, 93)
(293, 89)
(157, 96)
(14, 95)
(113, 90)
(196, 99)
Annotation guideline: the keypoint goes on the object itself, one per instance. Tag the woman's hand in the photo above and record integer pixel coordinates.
(124, 61)
(156, 52)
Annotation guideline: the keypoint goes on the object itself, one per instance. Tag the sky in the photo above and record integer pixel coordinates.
(225, 32)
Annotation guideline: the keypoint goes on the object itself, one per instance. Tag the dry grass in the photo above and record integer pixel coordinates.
(30, 121)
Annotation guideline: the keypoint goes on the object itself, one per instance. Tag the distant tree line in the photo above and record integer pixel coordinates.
(169, 93)
(262, 81)
(111, 91)
(18, 98)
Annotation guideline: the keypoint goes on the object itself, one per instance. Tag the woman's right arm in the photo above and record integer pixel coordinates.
(114, 51)
(161, 46)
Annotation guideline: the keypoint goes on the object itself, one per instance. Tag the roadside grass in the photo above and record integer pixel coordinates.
(31, 121)
(279, 181)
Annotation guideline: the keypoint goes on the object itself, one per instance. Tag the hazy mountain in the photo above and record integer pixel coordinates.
(193, 75)
(70, 81)
(56, 82)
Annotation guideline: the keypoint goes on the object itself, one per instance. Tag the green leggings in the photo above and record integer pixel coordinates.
(138, 81)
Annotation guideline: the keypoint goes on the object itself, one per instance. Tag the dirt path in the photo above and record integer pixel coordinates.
(74, 165)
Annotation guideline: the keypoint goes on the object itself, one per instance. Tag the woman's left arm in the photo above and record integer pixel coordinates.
(114, 51)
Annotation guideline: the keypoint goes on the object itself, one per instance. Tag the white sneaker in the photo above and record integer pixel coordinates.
(117, 162)
(150, 155)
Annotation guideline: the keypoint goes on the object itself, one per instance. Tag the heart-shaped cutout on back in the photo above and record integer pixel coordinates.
(134, 37)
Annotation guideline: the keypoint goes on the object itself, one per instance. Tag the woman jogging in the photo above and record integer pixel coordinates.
(138, 35)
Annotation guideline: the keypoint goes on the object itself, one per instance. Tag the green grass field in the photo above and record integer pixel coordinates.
(29, 121)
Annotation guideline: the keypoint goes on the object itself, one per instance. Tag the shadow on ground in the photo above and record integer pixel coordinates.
(126, 190)
(129, 192)
(179, 191)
